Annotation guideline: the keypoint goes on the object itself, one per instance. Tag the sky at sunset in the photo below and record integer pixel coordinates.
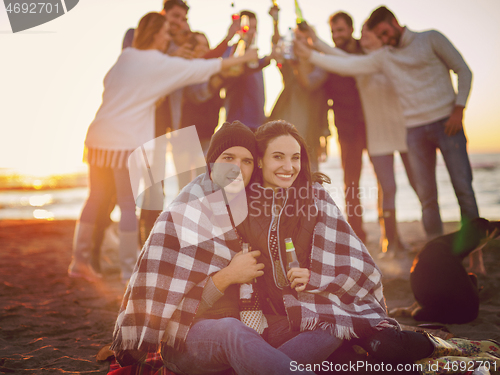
(51, 75)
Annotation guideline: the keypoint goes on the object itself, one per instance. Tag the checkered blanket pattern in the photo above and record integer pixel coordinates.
(191, 240)
(344, 294)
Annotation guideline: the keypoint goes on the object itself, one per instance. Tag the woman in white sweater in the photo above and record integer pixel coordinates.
(385, 134)
(125, 120)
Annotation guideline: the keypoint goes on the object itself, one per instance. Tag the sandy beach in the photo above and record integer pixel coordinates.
(51, 324)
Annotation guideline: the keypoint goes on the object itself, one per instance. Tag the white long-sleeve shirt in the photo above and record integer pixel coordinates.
(384, 120)
(138, 79)
(419, 69)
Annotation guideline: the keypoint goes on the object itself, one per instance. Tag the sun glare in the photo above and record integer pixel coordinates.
(43, 215)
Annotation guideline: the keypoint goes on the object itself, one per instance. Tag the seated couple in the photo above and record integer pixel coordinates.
(184, 295)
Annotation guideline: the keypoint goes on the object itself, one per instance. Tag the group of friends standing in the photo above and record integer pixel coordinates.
(183, 291)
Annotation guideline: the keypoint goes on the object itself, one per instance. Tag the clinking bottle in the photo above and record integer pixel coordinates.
(239, 51)
(245, 27)
(301, 22)
(287, 46)
(291, 255)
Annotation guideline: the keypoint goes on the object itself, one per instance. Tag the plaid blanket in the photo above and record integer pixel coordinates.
(192, 239)
(344, 293)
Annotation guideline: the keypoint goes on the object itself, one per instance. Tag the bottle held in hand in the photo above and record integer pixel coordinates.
(246, 290)
(291, 255)
(245, 27)
(301, 22)
(288, 45)
(239, 51)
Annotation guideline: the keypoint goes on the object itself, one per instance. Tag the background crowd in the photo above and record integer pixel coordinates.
(391, 101)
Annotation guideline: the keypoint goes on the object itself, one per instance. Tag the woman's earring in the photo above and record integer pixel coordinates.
(260, 166)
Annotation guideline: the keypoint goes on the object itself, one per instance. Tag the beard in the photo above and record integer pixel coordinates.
(396, 38)
(342, 43)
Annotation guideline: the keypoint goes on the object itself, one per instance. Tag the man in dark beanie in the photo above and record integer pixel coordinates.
(231, 156)
(230, 135)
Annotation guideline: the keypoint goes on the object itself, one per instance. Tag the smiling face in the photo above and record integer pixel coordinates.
(233, 169)
(341, 33)
(389, 32)
(369, 40)
(177, 17)
(281, 162)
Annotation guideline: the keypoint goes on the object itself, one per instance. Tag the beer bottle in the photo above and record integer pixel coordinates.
(245, 27)
(288, 45)
(246, 290)
(301, 22)
(291, 255)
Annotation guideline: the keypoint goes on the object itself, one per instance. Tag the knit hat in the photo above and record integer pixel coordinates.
(231, 135)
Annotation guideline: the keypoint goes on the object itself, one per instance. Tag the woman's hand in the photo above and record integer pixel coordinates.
(298, 277)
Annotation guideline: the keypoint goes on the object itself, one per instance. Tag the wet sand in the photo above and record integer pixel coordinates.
(51, 324)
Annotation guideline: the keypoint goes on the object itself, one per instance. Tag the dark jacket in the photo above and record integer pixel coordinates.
(296, 220)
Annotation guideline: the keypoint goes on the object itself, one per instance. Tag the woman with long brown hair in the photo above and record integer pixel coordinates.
(335, 292)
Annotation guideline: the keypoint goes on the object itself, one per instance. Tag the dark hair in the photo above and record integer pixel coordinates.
(248, 13)
(274, 129)
(148, 27)
(379, 15)
(335, 17)
(169, 4)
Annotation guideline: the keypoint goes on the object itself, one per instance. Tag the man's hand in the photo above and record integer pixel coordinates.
(299, 277)
(455, 122)
(242, 269)
(301, 50)
(245, 268)
(185, 51)
(251, 54)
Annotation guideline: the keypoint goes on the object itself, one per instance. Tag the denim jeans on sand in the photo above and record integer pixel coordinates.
(214, 345)
(423, 141)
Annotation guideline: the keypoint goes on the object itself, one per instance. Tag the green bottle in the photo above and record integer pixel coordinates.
(291, 255)
(301, 22)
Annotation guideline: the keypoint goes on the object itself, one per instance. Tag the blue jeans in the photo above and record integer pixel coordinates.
(100, 195)
(423, 141)
(383, 165)
(351, 154)
(215, 345)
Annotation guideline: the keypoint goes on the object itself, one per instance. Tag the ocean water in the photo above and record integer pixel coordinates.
(66, 203)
